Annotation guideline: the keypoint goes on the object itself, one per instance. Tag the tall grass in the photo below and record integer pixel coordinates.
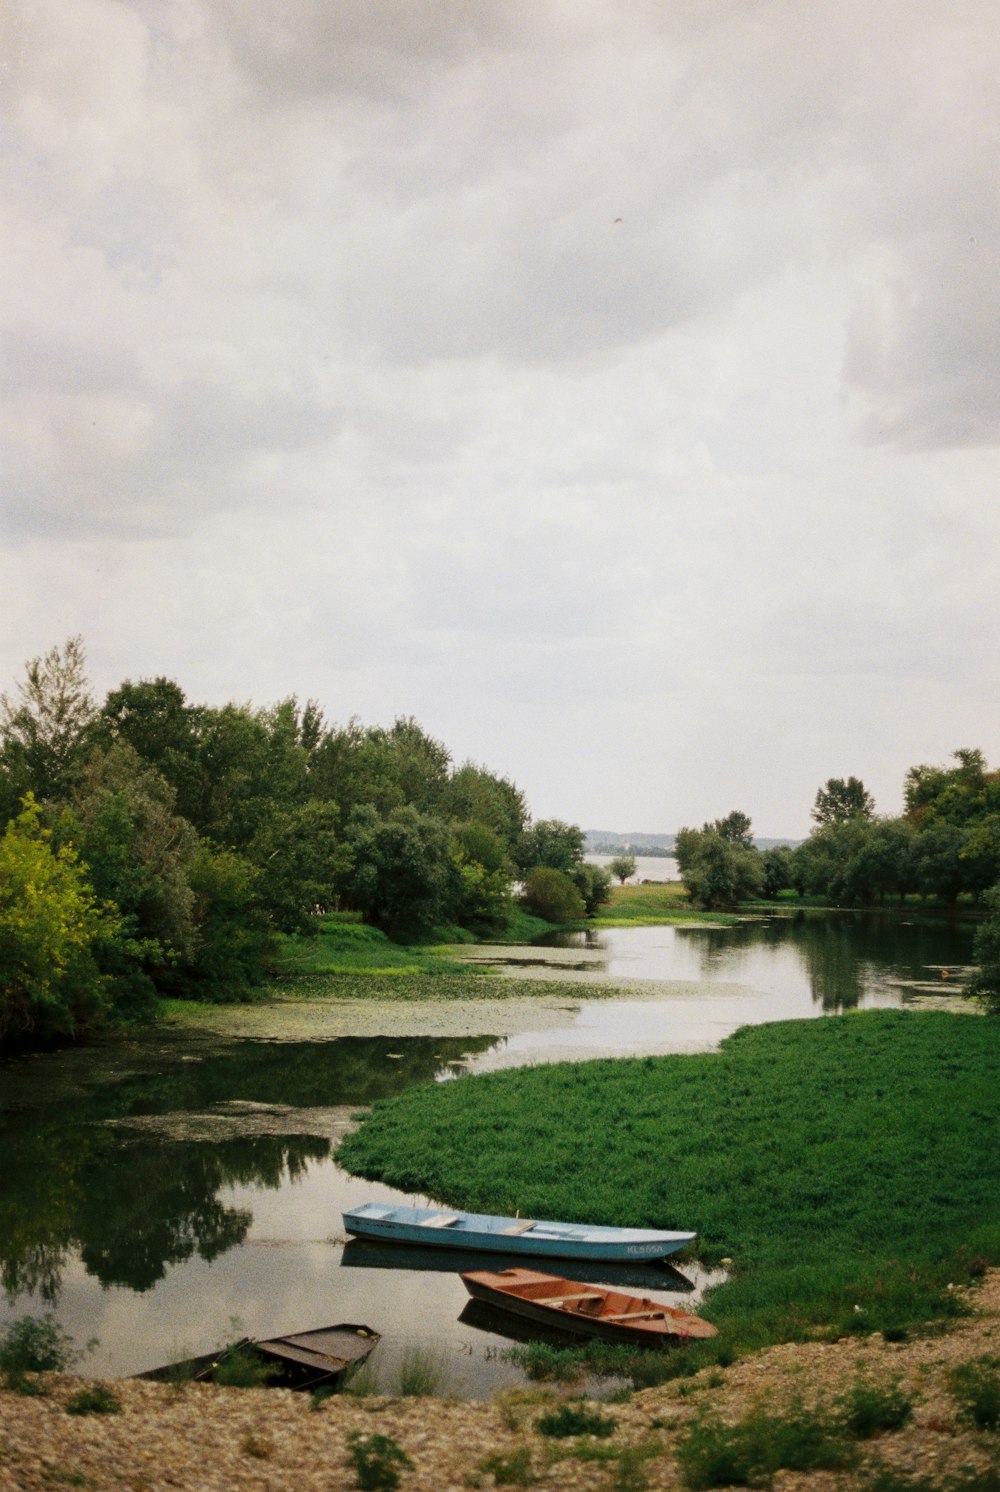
(849, 1166)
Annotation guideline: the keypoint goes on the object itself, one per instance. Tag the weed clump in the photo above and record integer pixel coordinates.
(869, 1410)
(509, 1471)
(749, 1452)
(35, 1344)
(976, 1386)
(94, 1399)
(376, 1460)
(574, 1419)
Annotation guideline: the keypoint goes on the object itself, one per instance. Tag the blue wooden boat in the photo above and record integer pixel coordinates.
(508, 1235)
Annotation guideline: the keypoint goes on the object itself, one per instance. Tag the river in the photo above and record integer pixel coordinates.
(166, 1194)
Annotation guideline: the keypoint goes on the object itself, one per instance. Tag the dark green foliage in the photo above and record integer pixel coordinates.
(812, 1152)
(240, 1366)
(553, 844)
(513, 1470)
(594, 885)
(403, 877)
(94, 1399)
(35, 1345)
(544, 1363)
(719, 864)
(551, 894)
(985, 985)
(976, 1386)
(869, 1409)
(842, 799)
(377, 1460)
(574, 1419)
(748, 1453)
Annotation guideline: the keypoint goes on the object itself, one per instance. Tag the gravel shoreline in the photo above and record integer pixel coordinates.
(201, 1437)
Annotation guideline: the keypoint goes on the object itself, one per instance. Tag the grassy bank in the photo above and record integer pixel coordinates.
(848, 1166)
(660, 902)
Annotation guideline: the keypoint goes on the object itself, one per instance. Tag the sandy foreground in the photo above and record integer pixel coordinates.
(203, 1437)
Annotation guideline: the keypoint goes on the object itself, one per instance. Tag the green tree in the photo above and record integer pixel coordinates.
(476, 796)
(985, 984)
(139, 855)
(719, 864)
(842, 799)
(303, 863)
(553, 844)
(51, 927)
(594, 885)
(403, 878)
(234, 942)
(45, 727)
(550, 894)
(483, 898)
(776, 864)
(622, 867)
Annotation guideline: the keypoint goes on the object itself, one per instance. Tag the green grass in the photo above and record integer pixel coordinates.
(344, 945)
(657, 903)
(848, 1165)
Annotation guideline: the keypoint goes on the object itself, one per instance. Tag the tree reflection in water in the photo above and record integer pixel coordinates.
(133, 1207)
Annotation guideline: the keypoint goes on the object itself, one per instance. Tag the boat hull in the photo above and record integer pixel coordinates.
(559, 1304)
(517, 1237)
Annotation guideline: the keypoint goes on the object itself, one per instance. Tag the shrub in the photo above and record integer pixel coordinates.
(241, 1367)
(376, 1460)
(35, 1345)
(552, 895)
(867, 1409)
(749, 1452)
(574, 1419)
(94, 1399)
(509, 1471)
(976, 1386)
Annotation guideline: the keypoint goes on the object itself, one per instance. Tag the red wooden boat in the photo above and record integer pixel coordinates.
(586, 1310)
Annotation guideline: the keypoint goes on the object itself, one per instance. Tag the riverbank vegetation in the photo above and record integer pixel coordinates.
(153, 848)
(812, 1154)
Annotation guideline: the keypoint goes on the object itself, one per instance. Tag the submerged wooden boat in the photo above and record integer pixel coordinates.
(585, 1310)
(509, 1235)
(305, 1359)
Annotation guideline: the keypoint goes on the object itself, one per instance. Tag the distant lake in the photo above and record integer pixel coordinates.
(647, 867)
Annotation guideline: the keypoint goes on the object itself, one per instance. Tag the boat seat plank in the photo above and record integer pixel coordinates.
(522, 1226)
(557, 1300)
(442, 1220)
(634, 1315)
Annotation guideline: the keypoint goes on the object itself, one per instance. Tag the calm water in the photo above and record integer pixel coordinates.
(155, 1194)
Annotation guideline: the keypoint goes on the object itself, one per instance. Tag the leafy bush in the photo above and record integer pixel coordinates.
(552, 895)
(574, 1419)
(35, 1345)
(509, 1471)
(976, 1386)
(94, 1399)
(376, 1460)
(241, 1367)
(749, 1452)
(868, 1409)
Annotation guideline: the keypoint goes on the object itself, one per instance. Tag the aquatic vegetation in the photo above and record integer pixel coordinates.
(811, 1152)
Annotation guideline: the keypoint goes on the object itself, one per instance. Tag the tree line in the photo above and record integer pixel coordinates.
(944, 846)
(153, 847)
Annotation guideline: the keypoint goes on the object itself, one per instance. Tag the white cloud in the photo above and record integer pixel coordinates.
(611, 387)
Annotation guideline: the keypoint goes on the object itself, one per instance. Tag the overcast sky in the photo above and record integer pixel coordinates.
(613, 385)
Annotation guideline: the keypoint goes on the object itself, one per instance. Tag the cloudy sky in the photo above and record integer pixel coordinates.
(613, 385)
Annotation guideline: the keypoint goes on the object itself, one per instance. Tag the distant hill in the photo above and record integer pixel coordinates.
(614, 842)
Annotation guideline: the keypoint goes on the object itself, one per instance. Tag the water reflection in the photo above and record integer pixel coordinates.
(839, 961)
(129, 1206)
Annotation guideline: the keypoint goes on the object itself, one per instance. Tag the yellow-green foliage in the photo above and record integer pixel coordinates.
(50, 927)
